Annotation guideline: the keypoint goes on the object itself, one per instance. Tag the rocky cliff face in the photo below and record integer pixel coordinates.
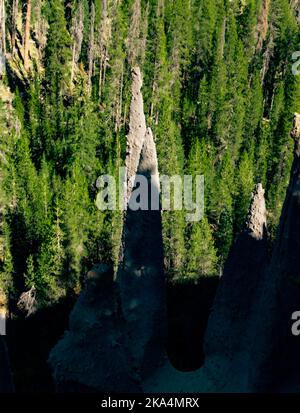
(249, 346)
(276, 365)
(296, 6)
(249, 343)
(228, 336)
(120, 324)
(93, 355)
(231, 326)
(141, 277)
(137, 130)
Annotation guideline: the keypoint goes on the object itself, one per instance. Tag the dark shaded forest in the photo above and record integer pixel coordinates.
(219, 95)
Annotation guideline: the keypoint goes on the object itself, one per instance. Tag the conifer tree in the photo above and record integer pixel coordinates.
(202, 257)
(219, 95)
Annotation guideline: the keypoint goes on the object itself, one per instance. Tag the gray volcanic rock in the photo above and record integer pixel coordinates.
(148, 164)
(93, 354)
(277, 359)
(295, 4)
(231, 326)
(137, 130)
(141, 276)
(249, 342)
(228, 337)
(117, 328)
(116, 338)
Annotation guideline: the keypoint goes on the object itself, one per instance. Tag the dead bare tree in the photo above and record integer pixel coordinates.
(262, 25)
(104, 34)
(15, 8)
(27, 35)
(77, 33)
(91, 48)
(267, 56)
(223, 35)
(159, 14)
(134, 41)
(40, 26)
(295, 5)
(144, 32)
(119, 105)
(27, 302)
(2, 27)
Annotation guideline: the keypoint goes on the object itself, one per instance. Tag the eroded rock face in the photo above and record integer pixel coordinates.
(249, 346)
(262, 24)
(228, 337)
(148, 164)
(295, 4)
(277, 360)
(295, 133)
(231, 327)
(249, 343)
(117, 327)
(2, 64)
(141, 276)
(93, 355)
(256, 222)
(137, 129)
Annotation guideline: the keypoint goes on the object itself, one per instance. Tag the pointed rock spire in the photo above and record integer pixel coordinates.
(228, 336)
(117, 327)
(256, 222)
(141, 274)
(137, 129)
(276, 350)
